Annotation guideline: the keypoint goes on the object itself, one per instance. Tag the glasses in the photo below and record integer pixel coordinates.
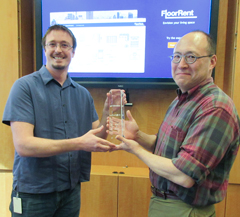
(189, 58)
(63, 46)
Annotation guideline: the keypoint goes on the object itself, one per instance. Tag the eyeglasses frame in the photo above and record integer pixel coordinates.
(196, 58)
(58, 44)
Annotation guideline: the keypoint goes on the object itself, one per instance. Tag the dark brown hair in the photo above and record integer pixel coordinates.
(63, 28)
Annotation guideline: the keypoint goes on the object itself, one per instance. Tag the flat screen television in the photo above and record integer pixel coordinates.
(124, 43)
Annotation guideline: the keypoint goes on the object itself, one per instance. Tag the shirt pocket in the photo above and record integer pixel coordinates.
(172, 142)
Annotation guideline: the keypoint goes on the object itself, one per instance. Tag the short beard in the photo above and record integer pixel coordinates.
(58, 67)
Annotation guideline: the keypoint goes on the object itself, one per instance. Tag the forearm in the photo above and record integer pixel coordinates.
(164, 167)
(27, 145)
(39, 147)
(146, 141)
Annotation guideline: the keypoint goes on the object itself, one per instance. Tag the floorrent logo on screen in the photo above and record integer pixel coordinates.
(180, 14)
(179, 17)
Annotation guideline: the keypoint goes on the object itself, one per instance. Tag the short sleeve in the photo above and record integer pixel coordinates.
(19, 106)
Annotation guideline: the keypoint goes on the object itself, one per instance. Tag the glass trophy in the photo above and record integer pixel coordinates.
(116, 113)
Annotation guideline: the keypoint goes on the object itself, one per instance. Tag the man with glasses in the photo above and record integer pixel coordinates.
(191, 156)
(55, 128)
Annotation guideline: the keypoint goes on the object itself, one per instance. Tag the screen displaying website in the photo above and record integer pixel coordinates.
(125, 38)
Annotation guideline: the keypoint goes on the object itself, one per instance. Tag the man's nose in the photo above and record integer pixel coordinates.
(58, 48)
(182, 62)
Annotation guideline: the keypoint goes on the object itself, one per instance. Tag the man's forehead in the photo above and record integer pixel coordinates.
(190, 43)
(58, 35)
(184, 53)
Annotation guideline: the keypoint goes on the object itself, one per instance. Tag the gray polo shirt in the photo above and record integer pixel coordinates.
(57, 112)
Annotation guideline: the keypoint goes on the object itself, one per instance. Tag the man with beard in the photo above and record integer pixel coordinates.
(55, 128)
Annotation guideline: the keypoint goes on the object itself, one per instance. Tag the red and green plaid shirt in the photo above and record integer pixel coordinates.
(200, 133)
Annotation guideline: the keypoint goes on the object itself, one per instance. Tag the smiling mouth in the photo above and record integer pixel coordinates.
(58, 58)
(183, 73)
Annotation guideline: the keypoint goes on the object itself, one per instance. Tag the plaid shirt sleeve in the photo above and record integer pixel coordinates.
(208, 140)
(200, 133)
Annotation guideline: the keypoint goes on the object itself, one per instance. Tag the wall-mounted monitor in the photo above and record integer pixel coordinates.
(124, 43)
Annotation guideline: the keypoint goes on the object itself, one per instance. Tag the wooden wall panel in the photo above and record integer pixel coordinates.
(134, 196)
(221, 43)
(235, 172)
(25, 37)
(5, 193)
(220, 208)
(236, 78)
(225, 45)
(9, 72)
(99, 196)
(16, 58)
(232, 201)
(115, 194)
(230, 48)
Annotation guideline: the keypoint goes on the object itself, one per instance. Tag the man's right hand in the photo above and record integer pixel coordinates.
(92, 143)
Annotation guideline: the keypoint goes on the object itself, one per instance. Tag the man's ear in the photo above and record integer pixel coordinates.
(213, 61)
(73, 53)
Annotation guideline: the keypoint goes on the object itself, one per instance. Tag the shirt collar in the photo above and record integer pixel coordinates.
(194, 89)
(47, 77)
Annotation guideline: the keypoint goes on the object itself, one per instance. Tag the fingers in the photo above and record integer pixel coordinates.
(117, 148)
(97, 130)
(104, 142)
(124, 99)
(129, 115)
(120, 138)
(103, 146)
(108, 97)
